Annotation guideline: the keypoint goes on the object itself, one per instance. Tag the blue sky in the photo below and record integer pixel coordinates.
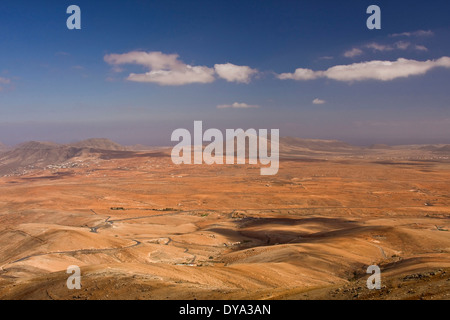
(137, 70)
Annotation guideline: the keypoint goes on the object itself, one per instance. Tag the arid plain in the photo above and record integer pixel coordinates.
(141, 227)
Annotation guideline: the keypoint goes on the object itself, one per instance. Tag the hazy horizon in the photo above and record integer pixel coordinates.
(149, 143)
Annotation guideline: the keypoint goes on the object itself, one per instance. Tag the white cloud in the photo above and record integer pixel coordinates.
(234, 73)
(402, 45)
(384, 70)
(153, 60)
(421, 48)
(237, 105)
(167, 69)
(164, 69)
(399, 45)
(353, 53)
(370, 70)
(379, 47)
(418, 33)
(318, 101)
(186, 75)
(301, 74)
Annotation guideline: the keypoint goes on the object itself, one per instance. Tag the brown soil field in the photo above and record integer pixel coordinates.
(140, 227)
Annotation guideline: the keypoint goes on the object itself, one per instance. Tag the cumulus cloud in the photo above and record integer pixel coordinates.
(234, 73)
(186, 75)
(370, 70)
(167, 69)
(301, 74)
(164, 69)
(418, 33)
(237, 105)
(384, 70)
(318, 101)
(353, 53)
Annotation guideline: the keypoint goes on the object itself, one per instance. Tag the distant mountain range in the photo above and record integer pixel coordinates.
(99, 143)
(37, 154)
(440, 148)
(292, 147)
(314, 144)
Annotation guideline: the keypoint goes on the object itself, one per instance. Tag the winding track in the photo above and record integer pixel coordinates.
(137, 242)
(94, 230)
(85, 251)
